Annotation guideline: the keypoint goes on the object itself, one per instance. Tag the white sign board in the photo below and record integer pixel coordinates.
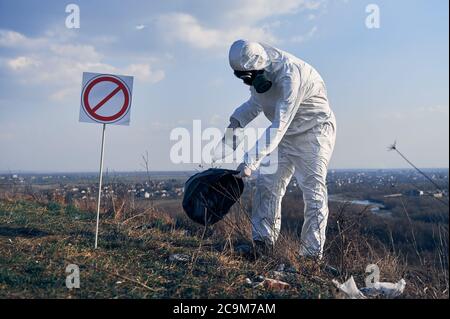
(106, 98)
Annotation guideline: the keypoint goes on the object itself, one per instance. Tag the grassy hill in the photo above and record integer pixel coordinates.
(39, 239)
(41, 235)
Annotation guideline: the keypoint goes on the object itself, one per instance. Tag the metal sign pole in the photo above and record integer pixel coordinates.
(100, 184)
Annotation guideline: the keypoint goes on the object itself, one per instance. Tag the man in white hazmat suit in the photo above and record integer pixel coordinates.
(292, 95)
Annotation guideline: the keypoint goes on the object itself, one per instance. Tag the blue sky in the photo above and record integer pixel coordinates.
(384, 84)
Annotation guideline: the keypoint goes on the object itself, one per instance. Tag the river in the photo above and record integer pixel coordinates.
(377, 208)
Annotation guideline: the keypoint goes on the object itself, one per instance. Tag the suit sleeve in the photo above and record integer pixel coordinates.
(285, 111)
(247, 112)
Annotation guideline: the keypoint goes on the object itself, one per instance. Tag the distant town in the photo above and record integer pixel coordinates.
(384, 183)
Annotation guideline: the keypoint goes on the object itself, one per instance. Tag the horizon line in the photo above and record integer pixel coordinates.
(5, 172)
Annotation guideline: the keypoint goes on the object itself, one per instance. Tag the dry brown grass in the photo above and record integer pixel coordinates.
(40, 238)
(137, 239)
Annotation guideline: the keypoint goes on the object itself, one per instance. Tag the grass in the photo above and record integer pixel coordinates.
(39, 240)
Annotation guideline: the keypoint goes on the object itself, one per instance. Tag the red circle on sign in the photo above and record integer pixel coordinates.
(120, 87)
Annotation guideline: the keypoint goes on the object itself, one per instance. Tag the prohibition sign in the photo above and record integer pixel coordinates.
(105, 99)
(92, 110)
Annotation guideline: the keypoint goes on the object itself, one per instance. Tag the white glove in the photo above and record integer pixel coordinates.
(244, 170)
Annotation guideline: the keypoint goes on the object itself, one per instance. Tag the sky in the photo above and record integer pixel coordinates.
(385, 84)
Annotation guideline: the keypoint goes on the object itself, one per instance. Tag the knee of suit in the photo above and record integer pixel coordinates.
(316, 203)
(274, 188)
(268, 193)
(319, 194)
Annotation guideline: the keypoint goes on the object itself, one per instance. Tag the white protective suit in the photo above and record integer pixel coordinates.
(297, 105)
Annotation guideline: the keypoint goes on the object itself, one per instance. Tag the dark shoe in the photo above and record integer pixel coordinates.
(243, 250)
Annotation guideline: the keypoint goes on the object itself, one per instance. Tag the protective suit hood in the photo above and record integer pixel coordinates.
(248, 56)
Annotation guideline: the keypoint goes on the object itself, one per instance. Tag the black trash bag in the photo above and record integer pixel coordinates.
(209, 195)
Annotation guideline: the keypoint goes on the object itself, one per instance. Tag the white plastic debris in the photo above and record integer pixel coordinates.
(179, 258)
(350, 289)
(384, 289)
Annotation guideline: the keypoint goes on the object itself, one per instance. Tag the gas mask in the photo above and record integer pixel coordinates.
(257, 79)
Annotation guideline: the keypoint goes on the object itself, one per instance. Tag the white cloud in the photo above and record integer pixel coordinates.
(186, 28)
(144, 72)
(9, 38)
(72, 75)
(76, 51)
(257, 10)
(239, 19)
(22, 62)
(59, 65)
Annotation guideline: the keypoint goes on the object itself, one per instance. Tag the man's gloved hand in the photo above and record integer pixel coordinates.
(244, 170)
